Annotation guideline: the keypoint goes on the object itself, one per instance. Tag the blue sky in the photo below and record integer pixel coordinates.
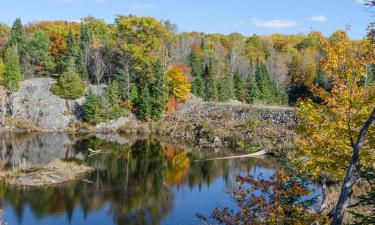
(210, 16)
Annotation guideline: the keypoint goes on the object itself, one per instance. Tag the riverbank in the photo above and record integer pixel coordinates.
(234, 124)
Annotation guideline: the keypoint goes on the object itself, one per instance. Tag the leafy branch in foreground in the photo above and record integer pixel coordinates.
(281, 199)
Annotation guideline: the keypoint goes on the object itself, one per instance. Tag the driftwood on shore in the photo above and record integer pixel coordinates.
(54, 173)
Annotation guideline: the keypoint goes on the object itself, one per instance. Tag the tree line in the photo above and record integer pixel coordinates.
(150, 67)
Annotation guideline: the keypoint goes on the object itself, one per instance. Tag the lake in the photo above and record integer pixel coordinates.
(137, 180)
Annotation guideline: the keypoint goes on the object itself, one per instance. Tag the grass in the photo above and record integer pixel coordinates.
(54, 173)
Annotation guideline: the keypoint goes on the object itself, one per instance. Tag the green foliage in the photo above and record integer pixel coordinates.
(195, 63)
(114, 109)
(93, 109)
(144, 105)
(252, 90)
(198, 87)
(39, 49)
(158, 92)
(133, 93)
(12, 72)
(239, 87)
(18, 37)
(69, 85)
(210, 83)
(2, 70)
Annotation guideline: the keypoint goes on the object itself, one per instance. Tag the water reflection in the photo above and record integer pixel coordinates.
(137, 181)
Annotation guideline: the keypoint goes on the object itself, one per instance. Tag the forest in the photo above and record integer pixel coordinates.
(150, 67)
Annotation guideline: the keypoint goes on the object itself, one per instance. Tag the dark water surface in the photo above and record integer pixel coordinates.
(137, 181)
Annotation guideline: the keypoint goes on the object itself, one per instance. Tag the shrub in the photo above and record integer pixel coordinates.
(252, 123)
(69, 86)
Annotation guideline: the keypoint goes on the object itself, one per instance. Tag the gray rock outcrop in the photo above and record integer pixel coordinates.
(35, 103)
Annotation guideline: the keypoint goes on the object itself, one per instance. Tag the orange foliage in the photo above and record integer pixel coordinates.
(172, 104)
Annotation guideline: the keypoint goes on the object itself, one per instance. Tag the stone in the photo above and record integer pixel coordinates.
(111, 125)
(217, 143)
(203, 142)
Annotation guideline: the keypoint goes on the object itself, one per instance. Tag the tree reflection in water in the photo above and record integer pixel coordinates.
(132, 182)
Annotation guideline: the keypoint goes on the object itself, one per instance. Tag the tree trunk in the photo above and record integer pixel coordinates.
(323, 203)
(352, 173)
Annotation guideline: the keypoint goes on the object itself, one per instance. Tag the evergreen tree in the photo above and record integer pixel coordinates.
(114, 109)
(225, 88)
(85, 36)
(84, 42)
(18, 37)
(210, 83)
(252, 90)
(39, 49)
(144, 105)
(195, 63)
(133, 93)
(239, 87)
(158, 92)
(12, 73)
(198, 87)
(93, 109)
(82, 66)
(267, 89)
(71, 50)
(69, 85)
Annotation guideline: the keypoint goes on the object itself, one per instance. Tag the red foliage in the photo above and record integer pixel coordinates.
(172, 104)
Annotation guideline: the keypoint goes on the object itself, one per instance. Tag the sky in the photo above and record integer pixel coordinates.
(210, 16)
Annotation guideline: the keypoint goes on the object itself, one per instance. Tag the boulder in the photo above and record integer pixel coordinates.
(111, 125)
(217, 143)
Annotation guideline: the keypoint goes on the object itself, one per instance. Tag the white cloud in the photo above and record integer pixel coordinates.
(361, 1)
(276, 23)
(142, 6)
(318, 18)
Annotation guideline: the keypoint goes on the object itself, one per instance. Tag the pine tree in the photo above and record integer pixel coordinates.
(133, 93)
(225, 88)
(195, 63)
(93, 109)
(158, 92)
(84, 42)
(239, 86)
(12, 73)
(69, 85)
(39, 49)
(198, 87)
(114, 99)
(252, 90)
(85, 37)
(71, 50)
(18, 37)
(267, 89)
(144, 105)
(210, 83)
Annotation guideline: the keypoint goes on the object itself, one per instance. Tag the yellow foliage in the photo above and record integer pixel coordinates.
(178, 83)
(329, 128)
(2, 70)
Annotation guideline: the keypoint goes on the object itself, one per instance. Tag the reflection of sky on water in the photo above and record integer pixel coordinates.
(156, 192)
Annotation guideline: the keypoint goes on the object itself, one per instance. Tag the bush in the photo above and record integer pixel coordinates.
(69, 86)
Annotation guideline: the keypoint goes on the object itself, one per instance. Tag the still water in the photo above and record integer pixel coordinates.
(138, 180)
